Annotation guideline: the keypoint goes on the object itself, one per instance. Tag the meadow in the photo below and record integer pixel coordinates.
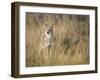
(70, 44)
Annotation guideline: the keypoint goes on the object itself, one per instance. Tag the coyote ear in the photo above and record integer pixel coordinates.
(44, 26)
(51, 26)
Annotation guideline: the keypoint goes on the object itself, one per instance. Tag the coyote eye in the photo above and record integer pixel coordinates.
(47, 32)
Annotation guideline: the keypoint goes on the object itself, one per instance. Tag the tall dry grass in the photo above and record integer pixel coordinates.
(71, 39)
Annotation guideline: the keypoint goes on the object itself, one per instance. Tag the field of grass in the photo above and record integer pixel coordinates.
(71, 39)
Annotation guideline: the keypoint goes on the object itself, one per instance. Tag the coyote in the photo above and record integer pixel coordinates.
(46, 39)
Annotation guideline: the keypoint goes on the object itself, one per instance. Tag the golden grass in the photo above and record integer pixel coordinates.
(71, 39)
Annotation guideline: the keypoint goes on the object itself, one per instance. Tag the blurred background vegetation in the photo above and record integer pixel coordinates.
(71, 39)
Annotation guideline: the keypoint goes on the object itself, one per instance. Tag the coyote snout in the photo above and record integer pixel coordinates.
(46, 40)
